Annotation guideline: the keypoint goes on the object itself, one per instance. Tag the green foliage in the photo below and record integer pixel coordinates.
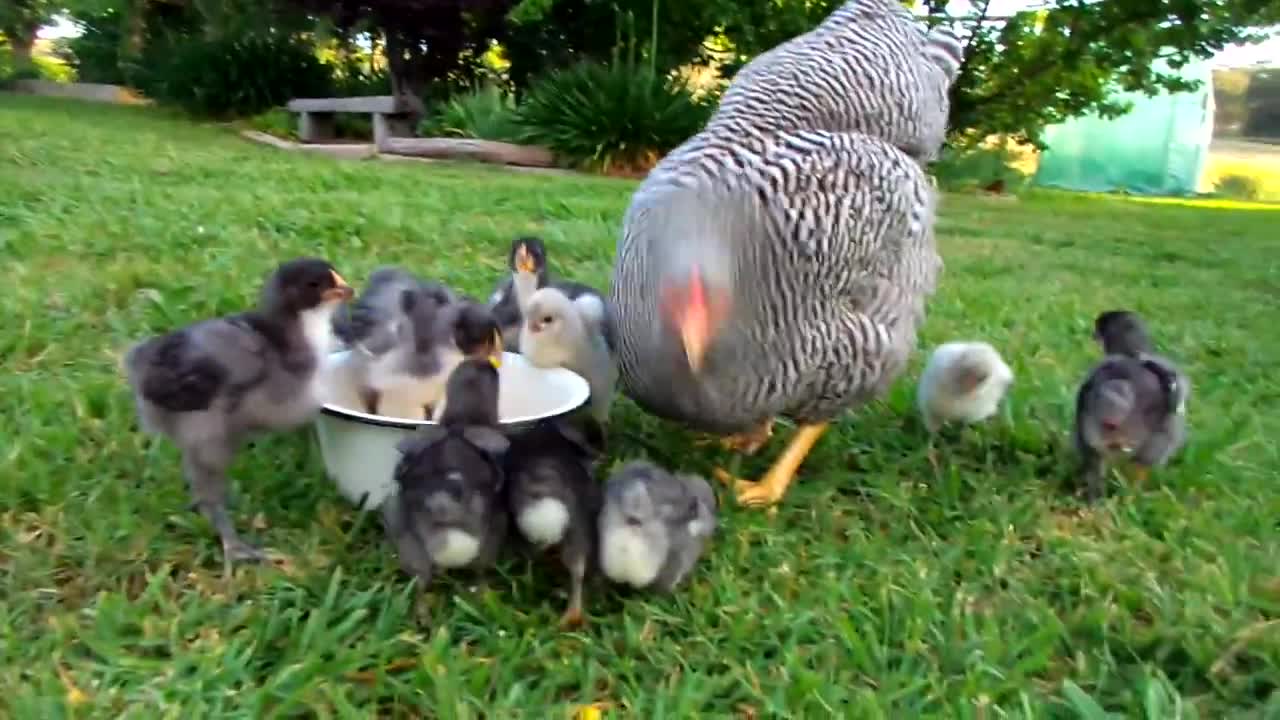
(95, 52)
(51, 68)
(230, 77)
(967, 168)
(20, 19)
(41, 67)
(487, 113)
(7, 68)
(1238, 187)
(1036, 68)
(106, 51)
(542, 35)
(352, 77)
(614, 116)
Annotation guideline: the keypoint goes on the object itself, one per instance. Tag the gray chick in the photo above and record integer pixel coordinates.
(556, 501)
(382, 329)
(372, 322)
(559, 332)
(410, 375)
(450, 510)
(654, 525)
(1122, 332)
(1128, 408)
(211, 385)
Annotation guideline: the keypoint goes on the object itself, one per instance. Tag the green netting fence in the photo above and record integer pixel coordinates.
(1158, 148)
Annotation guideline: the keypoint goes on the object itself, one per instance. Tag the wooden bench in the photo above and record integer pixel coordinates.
(392, 116)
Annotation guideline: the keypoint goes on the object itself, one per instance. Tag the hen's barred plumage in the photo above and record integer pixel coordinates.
(805, 197)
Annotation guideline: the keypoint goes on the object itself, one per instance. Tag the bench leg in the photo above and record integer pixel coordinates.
(389, 126)
(314, 126)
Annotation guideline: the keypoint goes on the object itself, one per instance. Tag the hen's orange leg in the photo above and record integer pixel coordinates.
(745, 442)
(770, 489)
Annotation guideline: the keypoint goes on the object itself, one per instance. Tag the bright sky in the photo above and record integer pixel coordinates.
(1233, 56)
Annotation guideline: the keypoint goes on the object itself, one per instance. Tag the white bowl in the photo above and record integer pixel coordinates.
(359, 448)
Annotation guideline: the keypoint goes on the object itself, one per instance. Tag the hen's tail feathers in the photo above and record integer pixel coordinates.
(944, 49)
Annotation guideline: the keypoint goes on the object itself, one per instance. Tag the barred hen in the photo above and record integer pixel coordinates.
(778, 262)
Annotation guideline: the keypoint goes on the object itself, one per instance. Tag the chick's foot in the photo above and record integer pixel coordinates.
(1140, 475)
(237, 550)
(572, 619)
(770, 489)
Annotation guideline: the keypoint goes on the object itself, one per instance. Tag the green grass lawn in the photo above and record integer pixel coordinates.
(883, 587)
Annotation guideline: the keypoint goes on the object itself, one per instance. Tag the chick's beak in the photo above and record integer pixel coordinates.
(340, 290)
(495, 351)
(524, 261)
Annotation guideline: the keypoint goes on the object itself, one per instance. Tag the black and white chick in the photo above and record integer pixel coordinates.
(1132, 406)
(389, 330)
(527, 261)
(559, 332)
(555, 500)
(211, 385)
(450, 510)
(654, 525)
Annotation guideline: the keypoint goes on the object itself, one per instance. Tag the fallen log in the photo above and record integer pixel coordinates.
(489, 151)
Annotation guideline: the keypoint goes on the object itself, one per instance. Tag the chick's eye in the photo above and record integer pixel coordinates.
(548, 319)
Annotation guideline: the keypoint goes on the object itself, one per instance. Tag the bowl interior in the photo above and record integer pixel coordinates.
(526, 393)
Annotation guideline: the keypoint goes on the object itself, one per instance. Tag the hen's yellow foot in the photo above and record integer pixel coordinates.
(773, 486)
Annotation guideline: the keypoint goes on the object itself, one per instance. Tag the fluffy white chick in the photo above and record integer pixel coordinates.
(963, 381)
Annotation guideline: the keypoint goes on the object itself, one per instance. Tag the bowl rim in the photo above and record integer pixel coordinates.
(365, 418)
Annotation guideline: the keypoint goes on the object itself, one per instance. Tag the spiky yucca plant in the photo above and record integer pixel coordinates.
(486, 113)
(611, 117)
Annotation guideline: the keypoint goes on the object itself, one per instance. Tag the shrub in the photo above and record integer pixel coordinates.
(276, 121)
(42, 67)
(611, 117)
(95, 53)
(235, 76)
(352, 77)
(1238, 187)
(978, 167)
(486, 113)
(6, 63)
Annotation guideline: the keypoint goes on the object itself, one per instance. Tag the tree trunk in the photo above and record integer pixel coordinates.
(403, 65)
(133, 38)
